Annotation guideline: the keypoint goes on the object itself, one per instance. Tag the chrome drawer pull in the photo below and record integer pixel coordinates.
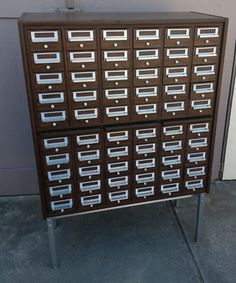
(89, 155)
(53, 116)
(113, 56)
(49, 78)
(117, 136)
(82, 77)
(52, 97)
(116, 34)
(117, 167)
(82, 114)
(60, 190)
(91, 200)
(206, 51)
(87, 139)
(118, 181)
(146, 109)
(57, 159)
(89, 170)
(55, 142)
(61, 204)
(201, 104)
(204, 70)
(172, 145)
(90, 186)
(173, 130)
(171, 160)
(208, 32)
(47, 58)
(144, 192)
(177, 33)
(142, 74)
(203, 88)
(145, 163)
(117, 151)
(170, 188)
(197, 157)
(84, 96)
(147, 34)
(195, 184)
(175, 89)
(82, 57)
(117, 75)
(145, 148)
(176, 53)
(116, 93)
(59, 175)
(146, 91)
(201, 142)
(80, 35)
(146, 133)
(174, 106)
(118, 196)
(44, 36)
(147, 54)
(117, 111)
(145, 178)
(196, 171)
(199, 128)
(173, 72)
(170, 174)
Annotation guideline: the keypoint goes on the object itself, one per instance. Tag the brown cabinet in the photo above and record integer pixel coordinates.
(123, 107)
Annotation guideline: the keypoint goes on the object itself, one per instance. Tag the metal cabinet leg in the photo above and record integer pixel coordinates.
(199, 216)
(176, 203)
(52, 244)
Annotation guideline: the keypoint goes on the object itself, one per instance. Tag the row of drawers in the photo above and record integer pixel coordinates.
(79, 39)
(122, 59)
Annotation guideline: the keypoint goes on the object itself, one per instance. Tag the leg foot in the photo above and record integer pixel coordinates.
(52, 244)
(198, 216)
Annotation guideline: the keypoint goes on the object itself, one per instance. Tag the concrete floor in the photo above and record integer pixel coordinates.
(145, 244)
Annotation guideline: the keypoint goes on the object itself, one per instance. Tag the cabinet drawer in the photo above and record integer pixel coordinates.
(81, 39)
(145, 179)
(177, 56)
(172, 161)
(198, 144)
(145, 165)
(201, 107)
(82, 60)
(208, 35)
(119, 153)
(173, 131)
(92, 201)
(206, 55)
(171, 175)
(115, 38)
(47, 40)
(147, 77)
(116, 114)
(199, 129)
(173, 147)
(146, 94)
(83, 80)
(89, 172)
(62, 206)
(89, 157)
(147, 38)
(86, 116)
(54, 145)
(115, 169)
(194, 185)
(147, 134)
(89, 140)
(196, 158)
(170, 188)
(145, 150)
(118, 137)
(93, 186)
(175, 92)
(174, 109)
(146, 58)
(145, 192)
(116, 78)
(59, 175)
(57, 161)
(197, 89)
(85, 98)
(195, 172)
(50, 100)
(47, 61)
(178, 37)
(49, 81)
(203, 73)
(147, 111)
(176, 75)
(119, 196)
(116, 96)
(59, 192)
(120, 182)
(53, 119)
(116, 59)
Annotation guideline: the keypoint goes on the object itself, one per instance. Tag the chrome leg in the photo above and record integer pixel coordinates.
(52, 244)
(198, 216)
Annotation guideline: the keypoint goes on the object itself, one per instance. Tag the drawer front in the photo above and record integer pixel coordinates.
(118, 183)
(44, 40)
(208, 35)
(195, 172)
(147, 38)
(80, 39)
(147, 111)
(145, 192)
(175, 92)
(172, 161)
(59, 192)
(48, 81)
(173, 147)
(177, 56)
(47, 61)
(146, 94)
(178, 37)
(171, 175)
(88, 140)
(50, 100)
(148, 134)
(145, 165)
(119, 197)
(147, 77)
(176, 75)
(85, 98)
(116, 96)
(195, 185)
(83, 80)
(115, 169)
(174, 109)
(206, 55)
(116, 114)
(171, 188)
(118, 137)
(147, 150)
(118, 153)
(199, 129)
(198, 144)
(116, 78)
(203, 90)
(55, 145)
(147, 58)
(89, 157)
(82, 60)
(145, 179)
(173, 131)
(91, 202)
(86, 116)
(53, 119)
(201, 107)
(202, 73)
(59, 207)
(115, 38)
(196, 158)
(116, 59)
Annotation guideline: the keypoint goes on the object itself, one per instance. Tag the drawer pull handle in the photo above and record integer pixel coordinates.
(193, 185)
(149, 54)
(206, 51)
(59, 175)
(196, 171)
(53, 97)
(176, 53)
(145, 178)
(47, 58)
(118, 35)
(146, 91)
(118, 196)
(174, 106)
(87, 139)
(118, 181)
(145, 148)
(89, 155)
(144, 192)
(82, 114)
(82, 57)
(195, 143)
(146, 133)
(53, 116)
(173, 130)
(175, 89)
(146, 109)
(147, 34)
(49, 78)
(196, 157)
(172, 145)
(60, 190)
(117, 136)
(91, 200)
(44, 36)
(174, 72)
(204, 70)
(170, 188)
(57, 159)
(116, 93)
(142, 74)
(61, 204)
(170, 174)
(176, 33)
(171, 160)
(90, 186)
(145, 163)
(80, 35)
(55, 142)
(117, 167)
(89, 170)
(117, 151)
(80, 77)
(113, 56)
(210, 32)
(201, 104)
(117, 75)
(117, 111)
(199, 128)
(203, 88)
(87, 95)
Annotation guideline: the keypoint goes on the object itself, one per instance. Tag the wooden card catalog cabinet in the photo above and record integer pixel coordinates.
(123, 106)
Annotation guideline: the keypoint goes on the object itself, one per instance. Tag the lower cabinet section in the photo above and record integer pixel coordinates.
(86, 170)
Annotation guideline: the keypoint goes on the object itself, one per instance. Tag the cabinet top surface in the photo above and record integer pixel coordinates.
(94, 18)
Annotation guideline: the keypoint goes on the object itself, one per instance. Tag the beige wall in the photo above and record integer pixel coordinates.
(17, 164)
